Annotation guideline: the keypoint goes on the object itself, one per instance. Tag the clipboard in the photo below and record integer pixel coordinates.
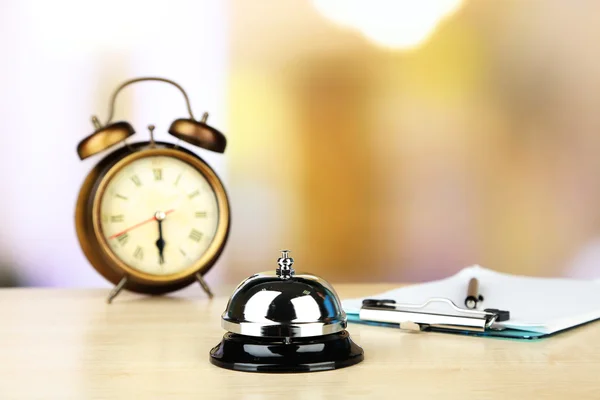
(539, 307)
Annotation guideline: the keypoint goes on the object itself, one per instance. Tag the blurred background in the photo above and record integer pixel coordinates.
(379, 140)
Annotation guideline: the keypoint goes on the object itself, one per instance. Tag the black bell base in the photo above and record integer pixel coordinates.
(254, 354)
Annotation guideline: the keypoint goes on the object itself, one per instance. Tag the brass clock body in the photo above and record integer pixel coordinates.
(113, 259)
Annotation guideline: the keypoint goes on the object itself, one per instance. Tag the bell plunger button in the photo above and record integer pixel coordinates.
(285, 262)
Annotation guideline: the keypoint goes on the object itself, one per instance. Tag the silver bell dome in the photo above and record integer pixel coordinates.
(284, 304)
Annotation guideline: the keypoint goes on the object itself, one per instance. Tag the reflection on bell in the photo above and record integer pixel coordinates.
(285, 322)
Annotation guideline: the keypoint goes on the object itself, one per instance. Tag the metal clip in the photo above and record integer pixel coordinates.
(418, 317)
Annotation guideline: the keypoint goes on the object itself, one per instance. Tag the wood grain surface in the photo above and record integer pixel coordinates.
(70, 344)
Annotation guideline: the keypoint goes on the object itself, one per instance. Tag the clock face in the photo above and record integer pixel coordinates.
(158, 215)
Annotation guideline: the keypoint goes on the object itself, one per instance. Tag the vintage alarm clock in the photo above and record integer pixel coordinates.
(152, 217)
(283, 321)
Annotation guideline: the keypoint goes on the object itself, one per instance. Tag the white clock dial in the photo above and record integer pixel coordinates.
(159, 215)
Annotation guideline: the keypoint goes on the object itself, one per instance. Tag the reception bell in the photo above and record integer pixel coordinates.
(190, 130)
(283, 321)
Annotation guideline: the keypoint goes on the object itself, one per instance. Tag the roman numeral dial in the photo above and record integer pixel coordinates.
(117, 218)
(155, 189)
(123, 239)
(136, 180)
(195, 235)
(138, 253)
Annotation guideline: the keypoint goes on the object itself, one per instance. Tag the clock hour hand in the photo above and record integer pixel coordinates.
(160, 243)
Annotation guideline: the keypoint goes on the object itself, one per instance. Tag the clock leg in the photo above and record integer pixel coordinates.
(116, 290)
(204, 285)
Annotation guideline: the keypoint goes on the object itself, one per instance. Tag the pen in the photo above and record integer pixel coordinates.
(473, 296)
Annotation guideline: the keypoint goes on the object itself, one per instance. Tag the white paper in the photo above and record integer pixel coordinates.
(543, 305)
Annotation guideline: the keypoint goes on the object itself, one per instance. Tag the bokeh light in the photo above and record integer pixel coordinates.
(402, 24)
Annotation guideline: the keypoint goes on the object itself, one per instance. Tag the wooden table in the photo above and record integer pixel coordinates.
(70, 344)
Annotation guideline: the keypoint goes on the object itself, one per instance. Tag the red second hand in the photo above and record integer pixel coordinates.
(138, 225)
